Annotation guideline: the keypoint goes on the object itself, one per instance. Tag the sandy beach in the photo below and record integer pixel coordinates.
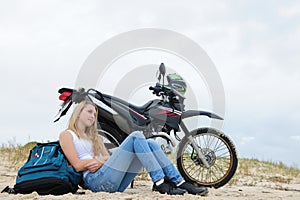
(241, 188)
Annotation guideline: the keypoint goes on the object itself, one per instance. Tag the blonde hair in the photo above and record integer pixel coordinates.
(92, 133)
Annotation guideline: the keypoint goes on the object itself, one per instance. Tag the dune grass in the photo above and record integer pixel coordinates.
(253, 172)
(16, 154)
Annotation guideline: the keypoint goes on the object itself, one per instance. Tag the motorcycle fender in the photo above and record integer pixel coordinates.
(192, 113)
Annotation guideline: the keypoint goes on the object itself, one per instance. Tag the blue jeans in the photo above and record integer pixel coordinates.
(134, 153)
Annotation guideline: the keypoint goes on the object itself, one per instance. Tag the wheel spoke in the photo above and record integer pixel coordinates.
(217, 154)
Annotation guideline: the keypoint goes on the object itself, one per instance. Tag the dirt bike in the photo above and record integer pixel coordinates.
(205, 156)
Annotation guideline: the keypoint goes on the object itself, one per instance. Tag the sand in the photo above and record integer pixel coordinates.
(142, 190)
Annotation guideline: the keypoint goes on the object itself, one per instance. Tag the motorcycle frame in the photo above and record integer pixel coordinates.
(121, 107)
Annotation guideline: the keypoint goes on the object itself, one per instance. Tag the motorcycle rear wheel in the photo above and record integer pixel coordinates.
(110, 137)
(220, 154)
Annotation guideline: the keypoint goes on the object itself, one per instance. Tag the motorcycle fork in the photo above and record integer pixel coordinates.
(194, 145)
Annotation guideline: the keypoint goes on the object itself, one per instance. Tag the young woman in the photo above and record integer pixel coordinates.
(85, 150)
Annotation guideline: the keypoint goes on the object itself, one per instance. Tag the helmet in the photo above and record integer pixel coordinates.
(177, 82)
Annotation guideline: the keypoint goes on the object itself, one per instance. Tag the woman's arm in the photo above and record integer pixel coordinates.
(105, 153)
(67, 145)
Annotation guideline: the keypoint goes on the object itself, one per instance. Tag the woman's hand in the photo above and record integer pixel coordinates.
(94, 165)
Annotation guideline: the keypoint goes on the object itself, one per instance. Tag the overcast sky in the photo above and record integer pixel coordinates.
(255, 46)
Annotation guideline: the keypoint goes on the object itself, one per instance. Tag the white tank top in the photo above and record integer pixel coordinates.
(83, 147)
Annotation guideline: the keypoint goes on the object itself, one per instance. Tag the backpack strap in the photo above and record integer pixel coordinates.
(8, 190)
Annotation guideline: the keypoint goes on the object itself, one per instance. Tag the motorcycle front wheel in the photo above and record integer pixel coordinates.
(219, 151)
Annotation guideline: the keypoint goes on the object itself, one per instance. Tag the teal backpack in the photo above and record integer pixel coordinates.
(47, 171)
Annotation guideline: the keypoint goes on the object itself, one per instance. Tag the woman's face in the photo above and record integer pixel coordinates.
(88, 115)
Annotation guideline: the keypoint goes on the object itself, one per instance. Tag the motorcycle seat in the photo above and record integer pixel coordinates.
(141, 109)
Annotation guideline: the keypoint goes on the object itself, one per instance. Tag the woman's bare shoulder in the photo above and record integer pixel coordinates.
(65, 134)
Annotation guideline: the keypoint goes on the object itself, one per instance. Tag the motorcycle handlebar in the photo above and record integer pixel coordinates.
(156, 90)
(159, 89)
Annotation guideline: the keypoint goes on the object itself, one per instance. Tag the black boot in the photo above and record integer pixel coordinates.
(191, 189)
(167, 188)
